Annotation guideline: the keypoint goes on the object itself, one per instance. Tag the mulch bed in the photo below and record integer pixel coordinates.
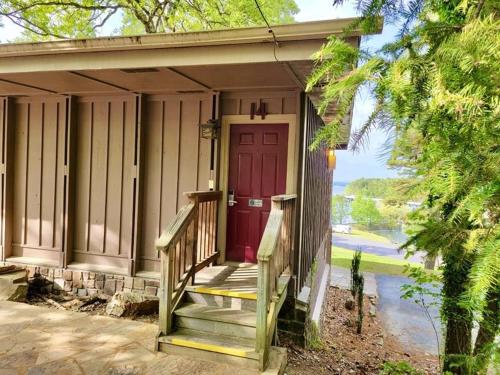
(343, 351)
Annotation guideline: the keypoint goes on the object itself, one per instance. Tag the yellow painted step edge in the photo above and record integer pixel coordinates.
(210, 347)
(228, 293)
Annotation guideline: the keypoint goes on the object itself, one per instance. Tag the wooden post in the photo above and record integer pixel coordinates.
(262, 303)
(6, 173)
(166, 291)
(196, 202)
(140, 108)
(69, 181)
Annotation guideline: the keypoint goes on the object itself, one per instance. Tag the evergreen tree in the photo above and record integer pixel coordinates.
(437, 91)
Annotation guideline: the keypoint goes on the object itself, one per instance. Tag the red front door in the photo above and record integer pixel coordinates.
(257, 171)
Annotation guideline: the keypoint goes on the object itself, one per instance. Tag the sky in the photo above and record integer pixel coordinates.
(369, 162)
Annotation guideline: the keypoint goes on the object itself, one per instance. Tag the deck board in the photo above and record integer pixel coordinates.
(227, 279)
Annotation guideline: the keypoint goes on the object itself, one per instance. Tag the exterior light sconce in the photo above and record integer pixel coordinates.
(210, 130)
(331, 159)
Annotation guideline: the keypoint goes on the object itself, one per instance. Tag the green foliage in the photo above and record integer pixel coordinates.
(437, 91)
(393, 216)
(340, 209)
(355, 263)
(425, 284)
(399, 368)
(364, 211)
(313, 336)
(360, 287)
(357, 288)
(392, 190)
(425, 292)
(84, 18)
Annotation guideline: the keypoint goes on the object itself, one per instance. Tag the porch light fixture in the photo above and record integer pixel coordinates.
(331, 159)
(210, 130)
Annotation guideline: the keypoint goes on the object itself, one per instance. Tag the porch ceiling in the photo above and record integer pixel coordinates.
(152, 80)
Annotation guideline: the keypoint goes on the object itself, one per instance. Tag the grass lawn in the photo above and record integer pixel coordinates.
(370, 262)
(370, 236)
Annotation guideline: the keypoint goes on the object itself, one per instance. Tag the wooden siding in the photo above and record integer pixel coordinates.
(176, 161)
(316, 192)
(96, 179)
(277, 102)
(104, 180)
(38, 178)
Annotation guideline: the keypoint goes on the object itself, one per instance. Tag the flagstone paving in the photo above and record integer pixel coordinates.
(37, 340)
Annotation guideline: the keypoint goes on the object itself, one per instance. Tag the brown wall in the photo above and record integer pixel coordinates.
(104, 180)
(315, 195)
(176, 160)
(107, 148)
(38, 178)
(277, 102)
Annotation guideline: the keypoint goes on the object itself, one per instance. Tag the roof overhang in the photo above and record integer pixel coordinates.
(236, 59)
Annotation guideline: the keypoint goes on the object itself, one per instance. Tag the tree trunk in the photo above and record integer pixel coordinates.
(488, 330)
(458, 343)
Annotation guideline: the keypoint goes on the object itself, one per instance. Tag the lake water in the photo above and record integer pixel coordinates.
(338, 189)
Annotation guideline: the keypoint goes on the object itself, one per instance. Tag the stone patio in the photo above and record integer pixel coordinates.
(38, 340)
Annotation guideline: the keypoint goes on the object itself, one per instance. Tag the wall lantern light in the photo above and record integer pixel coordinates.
(210, 130)
(331, 159)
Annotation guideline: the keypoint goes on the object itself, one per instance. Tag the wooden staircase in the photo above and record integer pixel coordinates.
(231, 315)
(215, 327)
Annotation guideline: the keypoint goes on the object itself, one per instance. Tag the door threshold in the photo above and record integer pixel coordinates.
(231, 263)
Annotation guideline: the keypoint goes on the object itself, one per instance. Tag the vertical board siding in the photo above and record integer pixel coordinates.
(3, 217)
(176, 160)
(104, 166)
(277, 102)
(105, 171)
(316, 199)
(38, 177)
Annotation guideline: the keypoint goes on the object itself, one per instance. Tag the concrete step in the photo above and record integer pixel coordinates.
(209, 346)
(209, 297)
(217, 320)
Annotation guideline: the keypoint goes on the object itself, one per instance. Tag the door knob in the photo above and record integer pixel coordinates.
(230, 199)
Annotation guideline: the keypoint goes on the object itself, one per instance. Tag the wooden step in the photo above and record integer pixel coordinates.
(223, 290)
(201, 297)
(217, 320)
(209, 346)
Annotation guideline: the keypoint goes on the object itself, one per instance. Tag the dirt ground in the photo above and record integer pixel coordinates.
(89, 305)
(342, 351)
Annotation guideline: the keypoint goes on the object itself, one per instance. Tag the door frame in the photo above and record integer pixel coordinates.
(291, 168)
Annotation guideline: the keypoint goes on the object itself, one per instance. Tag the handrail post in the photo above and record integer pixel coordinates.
(196, 202)
(166, 287)
(262, 307)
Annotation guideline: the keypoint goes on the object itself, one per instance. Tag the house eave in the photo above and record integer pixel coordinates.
(291, 32)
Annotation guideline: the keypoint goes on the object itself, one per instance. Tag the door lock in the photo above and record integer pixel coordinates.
(230, 199)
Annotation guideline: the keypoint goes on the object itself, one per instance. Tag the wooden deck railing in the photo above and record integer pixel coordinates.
(187, 246)
(275, 257)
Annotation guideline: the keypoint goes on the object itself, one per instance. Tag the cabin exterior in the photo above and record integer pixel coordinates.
(174, 165)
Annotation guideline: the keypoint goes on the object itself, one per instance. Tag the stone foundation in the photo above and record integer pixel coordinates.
(85, 283)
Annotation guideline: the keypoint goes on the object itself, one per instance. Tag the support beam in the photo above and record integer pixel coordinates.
(295, 78)
(138, 182)
(188, 78)
(6, 174)
(101, 82)
(25, 85)
(69, 180)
